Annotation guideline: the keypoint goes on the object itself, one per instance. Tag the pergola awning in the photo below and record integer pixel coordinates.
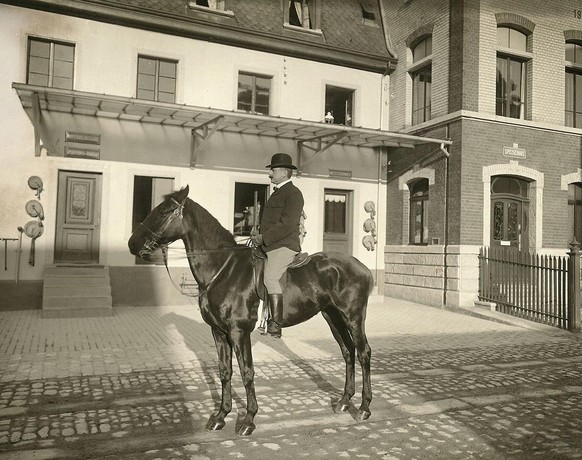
(204, 121)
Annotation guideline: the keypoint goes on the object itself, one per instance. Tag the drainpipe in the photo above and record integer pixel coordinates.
(446, 242)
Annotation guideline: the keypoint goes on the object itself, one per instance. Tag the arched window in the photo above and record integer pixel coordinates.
(575, 200)
(421, 74)
(573, 53)
(511, 83)
(419, 212)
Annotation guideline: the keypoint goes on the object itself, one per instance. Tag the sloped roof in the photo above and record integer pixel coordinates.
(347, 38)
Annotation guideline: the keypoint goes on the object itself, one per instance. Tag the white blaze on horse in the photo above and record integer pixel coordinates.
(333, 284)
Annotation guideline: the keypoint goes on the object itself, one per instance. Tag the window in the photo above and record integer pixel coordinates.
(254, 93)
(244, 206)
(212, 4)
(421, 81)
(575, 200)
(511, 73)
(302, 13)
(148, 192)
(156, 79)
(339, 104)
(50, 63)
(419, 212)
(573, 116)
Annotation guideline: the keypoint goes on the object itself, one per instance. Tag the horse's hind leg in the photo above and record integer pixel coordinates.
(242, 348)
(343, 338)
(224, 350)
(364, 356)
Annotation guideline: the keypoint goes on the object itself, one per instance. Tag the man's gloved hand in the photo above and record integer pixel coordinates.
(257, 239)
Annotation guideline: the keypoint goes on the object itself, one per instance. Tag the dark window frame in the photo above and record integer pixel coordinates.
(158, 78)
(419, 200)
(573, 85)
(339, 102)
(421, 76)
(251, 105)
(507, 102)
(54, 74)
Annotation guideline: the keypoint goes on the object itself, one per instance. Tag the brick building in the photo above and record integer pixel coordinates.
(110, 104)
(503, 81)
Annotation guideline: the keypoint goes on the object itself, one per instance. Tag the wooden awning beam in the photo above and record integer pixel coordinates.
(329, 139)
(200, 135)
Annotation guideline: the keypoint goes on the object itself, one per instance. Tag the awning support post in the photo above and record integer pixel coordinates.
(36, 116)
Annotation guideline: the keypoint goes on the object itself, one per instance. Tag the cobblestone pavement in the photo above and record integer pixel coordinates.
(142, 385)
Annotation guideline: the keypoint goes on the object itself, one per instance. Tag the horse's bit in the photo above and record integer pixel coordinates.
(152, 243)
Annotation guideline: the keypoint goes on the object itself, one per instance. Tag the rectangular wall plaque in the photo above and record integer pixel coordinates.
(339, 173)
(92, 154)
(513, 152)
(83, 138)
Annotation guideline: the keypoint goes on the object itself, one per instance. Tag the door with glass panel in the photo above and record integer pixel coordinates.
(337, 221)
(510, 213)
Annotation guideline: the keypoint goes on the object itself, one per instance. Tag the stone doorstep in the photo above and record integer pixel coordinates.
(77, 312)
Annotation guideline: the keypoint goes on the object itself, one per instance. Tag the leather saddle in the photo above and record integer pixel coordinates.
(259, 257)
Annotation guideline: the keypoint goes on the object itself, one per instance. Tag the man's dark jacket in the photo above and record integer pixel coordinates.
(281, 216)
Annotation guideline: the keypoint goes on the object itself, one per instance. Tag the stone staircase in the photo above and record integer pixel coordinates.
(76, 291)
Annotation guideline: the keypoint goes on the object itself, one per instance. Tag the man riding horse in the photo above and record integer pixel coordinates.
(279, 234)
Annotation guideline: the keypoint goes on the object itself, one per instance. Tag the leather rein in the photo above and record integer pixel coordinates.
(153, 242)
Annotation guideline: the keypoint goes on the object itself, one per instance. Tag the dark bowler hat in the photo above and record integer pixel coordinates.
(281, 160)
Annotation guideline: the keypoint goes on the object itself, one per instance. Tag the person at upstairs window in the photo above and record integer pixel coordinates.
(279, 234)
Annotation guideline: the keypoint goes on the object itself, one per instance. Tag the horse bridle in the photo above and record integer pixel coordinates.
(153, 241)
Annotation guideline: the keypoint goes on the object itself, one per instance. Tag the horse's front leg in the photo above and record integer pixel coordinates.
(224, 349)
(242, 347)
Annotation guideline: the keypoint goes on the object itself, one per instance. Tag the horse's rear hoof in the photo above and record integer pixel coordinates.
(341, 407)
(363, 415)
(246, 430)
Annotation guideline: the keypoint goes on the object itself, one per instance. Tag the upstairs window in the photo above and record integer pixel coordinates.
(302, 13)
(419, 212)
(339, 105)
(212, 4)
(421, 75)
(511, 85)
(254, 93)
(156, 79)
(50, 63)
(573, 116)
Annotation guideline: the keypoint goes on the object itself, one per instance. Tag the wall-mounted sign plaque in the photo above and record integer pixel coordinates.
(339, 173)
(83, 138)
(513, 152)
(74, 152)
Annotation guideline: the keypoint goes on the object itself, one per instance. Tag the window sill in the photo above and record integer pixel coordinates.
(206, 9)
(315, 32)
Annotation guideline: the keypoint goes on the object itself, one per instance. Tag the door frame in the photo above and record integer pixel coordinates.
(349, 219)
(95, 249)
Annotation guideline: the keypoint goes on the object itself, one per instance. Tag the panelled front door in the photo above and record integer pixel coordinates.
(78, 218)
(337, 222)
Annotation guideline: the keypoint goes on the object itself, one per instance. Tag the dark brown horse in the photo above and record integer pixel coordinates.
(335, 284)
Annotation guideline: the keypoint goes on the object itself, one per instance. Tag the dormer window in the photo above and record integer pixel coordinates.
(302, 13)
(212, 4)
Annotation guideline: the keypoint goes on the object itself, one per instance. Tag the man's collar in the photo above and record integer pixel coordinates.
(280, 184)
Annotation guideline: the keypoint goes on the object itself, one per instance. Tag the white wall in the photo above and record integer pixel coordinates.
(105, 62)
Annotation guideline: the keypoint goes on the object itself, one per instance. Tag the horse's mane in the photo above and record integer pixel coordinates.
(209, 232)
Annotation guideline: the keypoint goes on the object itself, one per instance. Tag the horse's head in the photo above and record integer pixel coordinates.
(162, 226)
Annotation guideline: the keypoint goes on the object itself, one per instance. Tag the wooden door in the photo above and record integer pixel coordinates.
(507, 223)
(78, 218)
(337, 221)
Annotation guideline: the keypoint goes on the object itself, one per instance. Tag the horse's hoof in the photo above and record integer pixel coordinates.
(363, 415)
(342, 407)
(214, 425)
(246, 430)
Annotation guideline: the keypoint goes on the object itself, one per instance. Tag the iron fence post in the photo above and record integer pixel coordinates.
(574, 287)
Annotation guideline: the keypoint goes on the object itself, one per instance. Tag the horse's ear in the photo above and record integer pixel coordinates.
(183, 193)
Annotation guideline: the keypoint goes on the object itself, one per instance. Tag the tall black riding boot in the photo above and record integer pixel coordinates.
(276, 306)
